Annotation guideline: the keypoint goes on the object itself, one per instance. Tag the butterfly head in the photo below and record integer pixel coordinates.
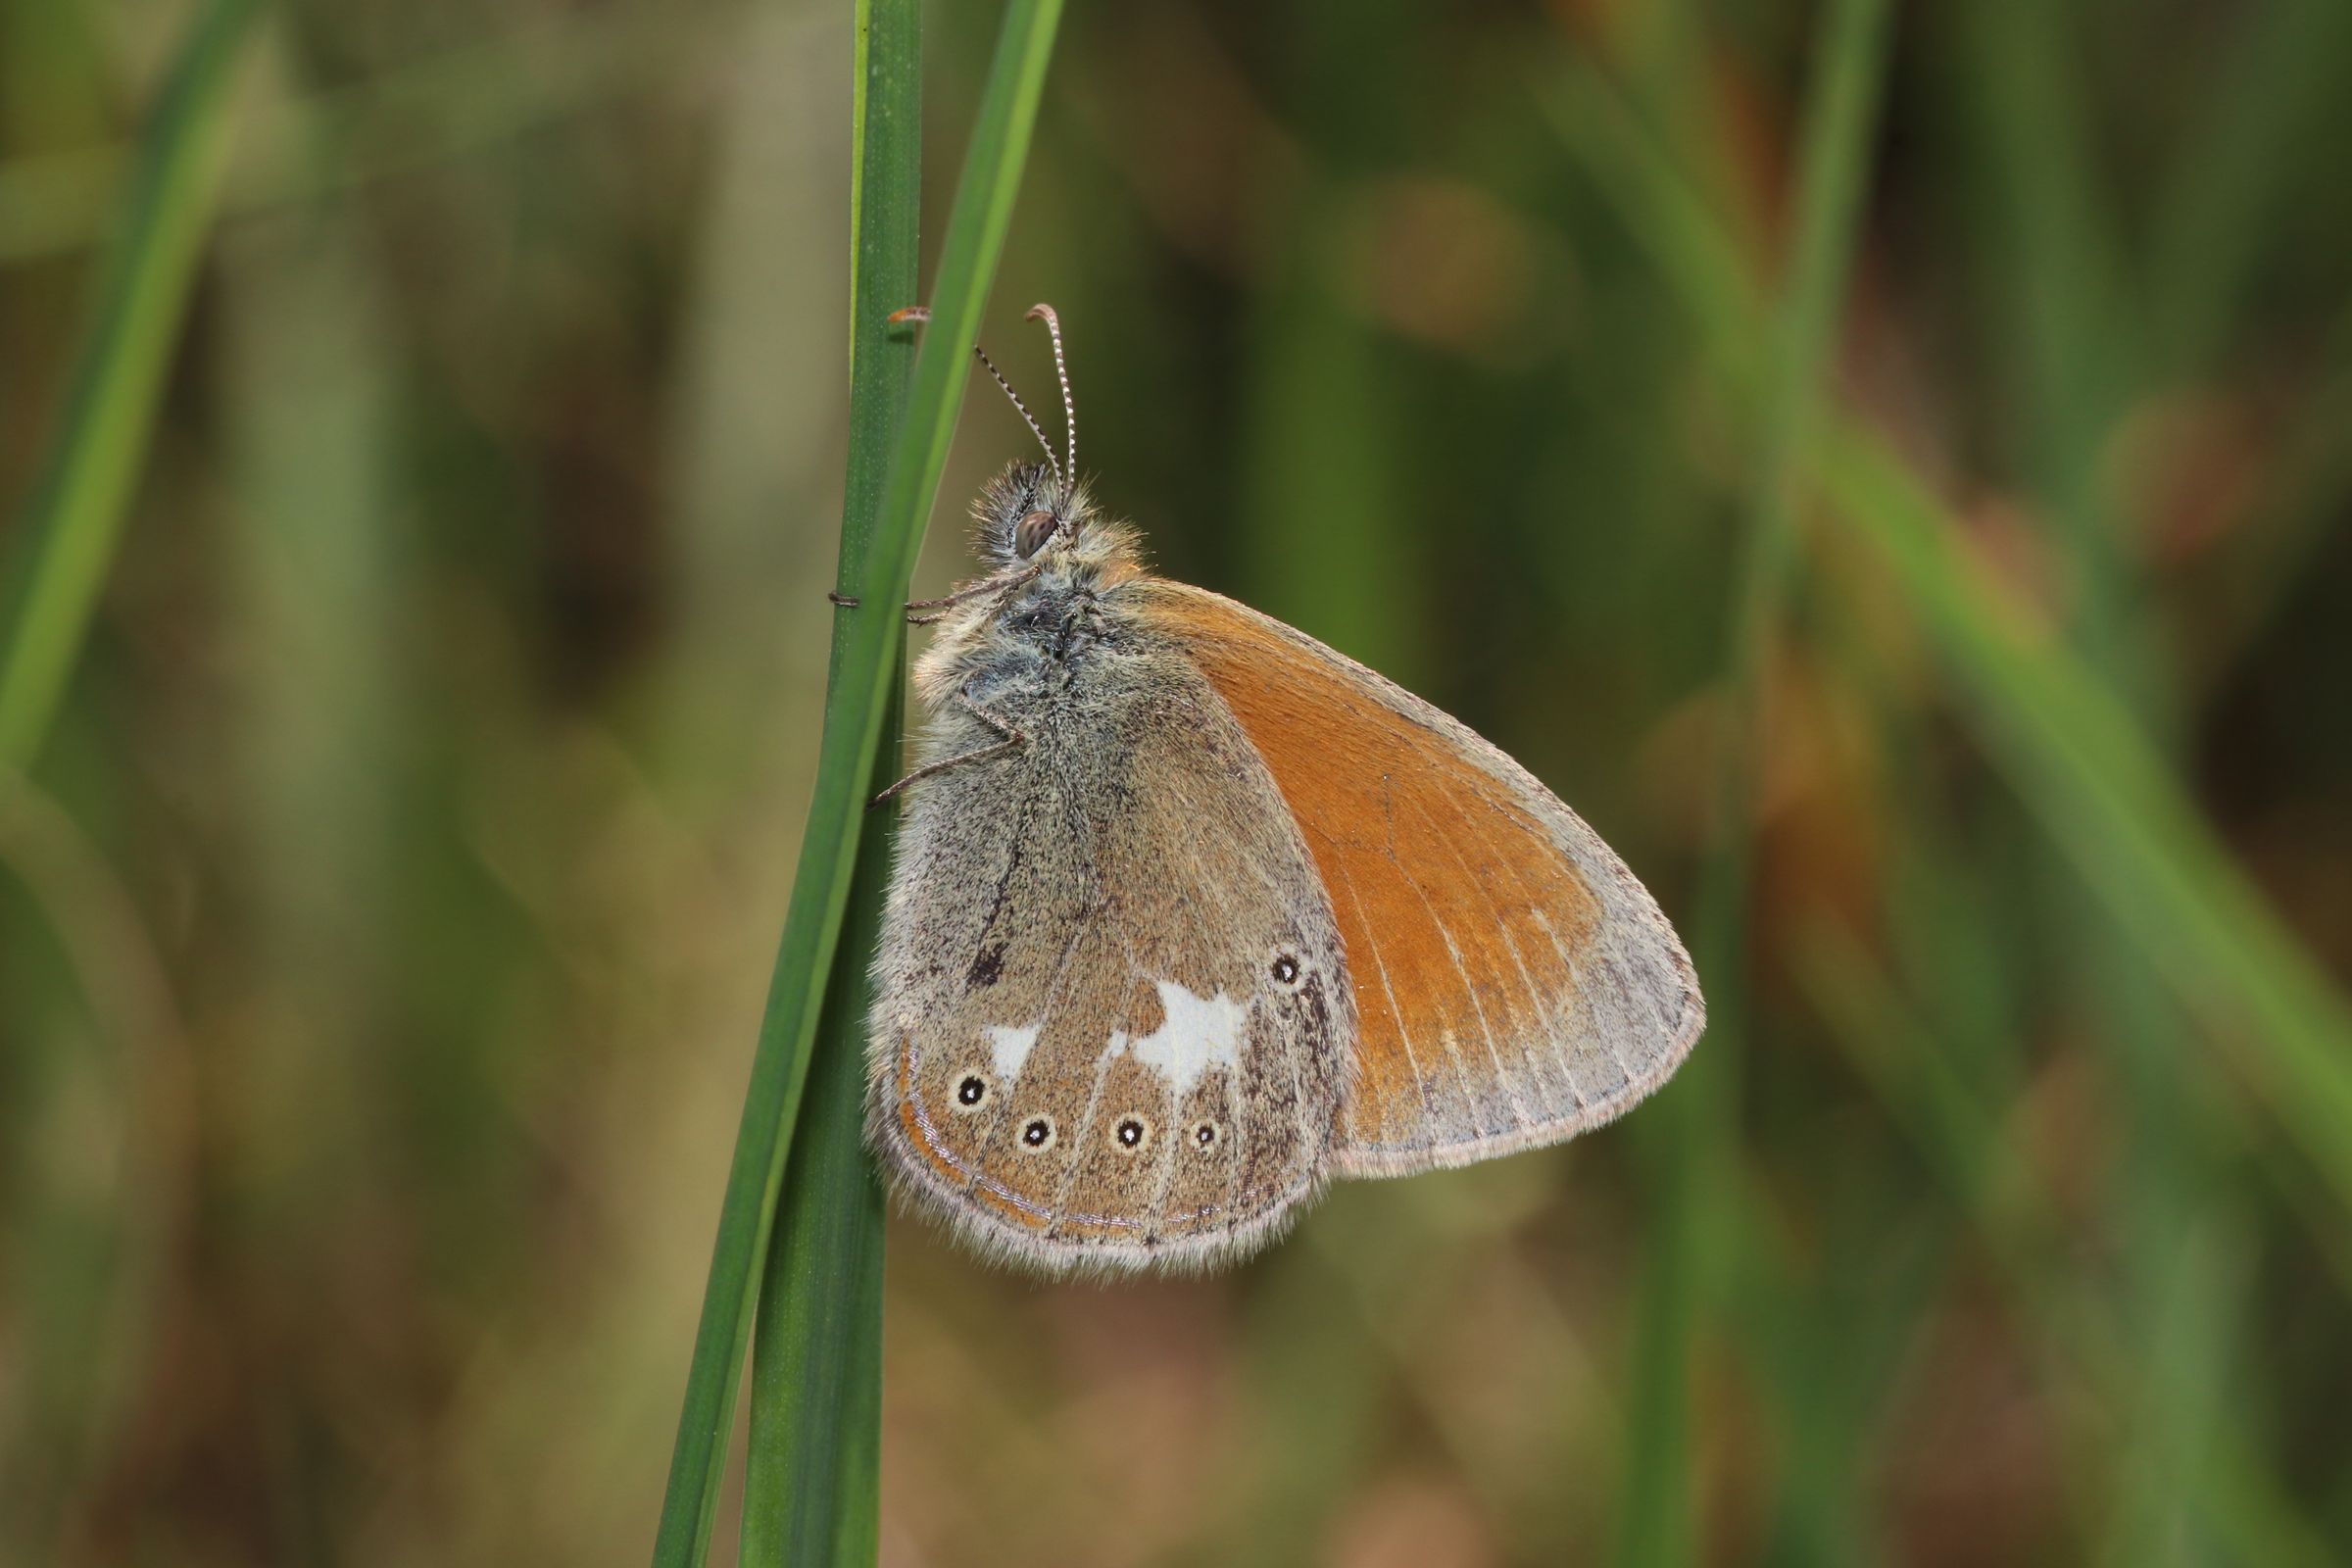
(1039, 513)
(1029, 512)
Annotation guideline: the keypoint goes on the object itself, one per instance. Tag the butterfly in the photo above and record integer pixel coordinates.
(1192, 916)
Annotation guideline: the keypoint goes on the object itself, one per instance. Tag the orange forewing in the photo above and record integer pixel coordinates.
(1466, 925)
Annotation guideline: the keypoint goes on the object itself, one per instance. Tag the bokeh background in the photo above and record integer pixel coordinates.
(384, 925)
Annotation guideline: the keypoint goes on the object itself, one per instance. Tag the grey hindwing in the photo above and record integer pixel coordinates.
(1112, 1018)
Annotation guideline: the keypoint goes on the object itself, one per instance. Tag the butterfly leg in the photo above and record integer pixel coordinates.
(968, 591)
(999, 583)
(1013, 738)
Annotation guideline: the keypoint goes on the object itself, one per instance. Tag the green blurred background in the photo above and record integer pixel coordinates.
(384, 923)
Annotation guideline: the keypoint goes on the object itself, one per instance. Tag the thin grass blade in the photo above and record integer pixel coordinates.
(866, 650)
(810, 1486)
(65, 540)
(812, 1477)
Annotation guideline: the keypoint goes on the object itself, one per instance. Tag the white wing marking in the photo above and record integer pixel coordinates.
(1198, 1034)
(1011, 1048)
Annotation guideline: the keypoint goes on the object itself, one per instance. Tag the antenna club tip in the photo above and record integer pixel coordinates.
(1042, 313)
(911, 313)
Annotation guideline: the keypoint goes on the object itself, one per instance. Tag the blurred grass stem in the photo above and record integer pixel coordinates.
(2061, 738)
(1701, 1162)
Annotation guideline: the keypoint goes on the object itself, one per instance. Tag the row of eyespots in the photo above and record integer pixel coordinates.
(1131, 1133)
(1128, 1134)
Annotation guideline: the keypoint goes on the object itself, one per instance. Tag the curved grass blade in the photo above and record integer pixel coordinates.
(866, 648)
(810, 1484)
(2075, 756)
(65, 538)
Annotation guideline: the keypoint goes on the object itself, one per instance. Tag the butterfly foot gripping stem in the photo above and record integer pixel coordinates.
(843, 601)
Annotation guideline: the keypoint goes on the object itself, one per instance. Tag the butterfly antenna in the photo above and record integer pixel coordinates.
(1023, 406)
(919, 314)
(1062, 369)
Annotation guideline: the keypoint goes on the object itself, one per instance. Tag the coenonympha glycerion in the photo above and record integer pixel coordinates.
(1192, 914)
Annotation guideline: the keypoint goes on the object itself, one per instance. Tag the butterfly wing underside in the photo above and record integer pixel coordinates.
(1514, 983)
(1111, 1010)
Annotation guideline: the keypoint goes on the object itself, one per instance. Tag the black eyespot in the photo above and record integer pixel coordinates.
(1286, 969)
(1030, 534)
(1038, 1131)
(971, 1092)
(1206, 1134)
(1131, 1132)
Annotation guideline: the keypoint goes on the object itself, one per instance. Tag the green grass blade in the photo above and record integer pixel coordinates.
(810, 1488)
(1698, 1124)
(812, 1476)
(866, 650)
(66, 537)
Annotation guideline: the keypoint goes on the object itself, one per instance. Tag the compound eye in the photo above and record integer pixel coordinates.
(1032, 532)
